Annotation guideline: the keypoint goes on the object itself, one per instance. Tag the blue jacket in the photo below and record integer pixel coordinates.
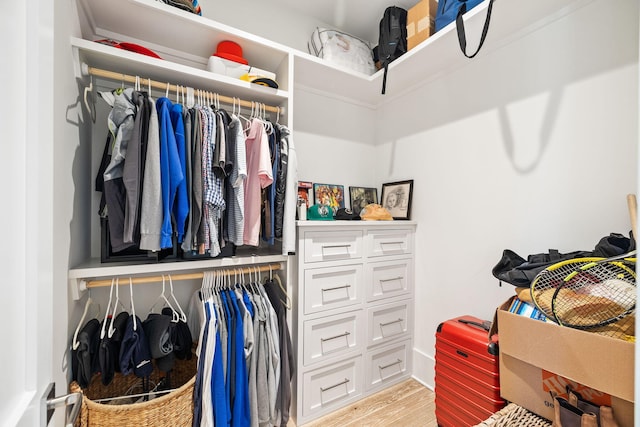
(181, 205)
(170, 169)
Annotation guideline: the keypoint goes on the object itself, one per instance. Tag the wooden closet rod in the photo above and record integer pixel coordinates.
(112, 75)
(228, 271)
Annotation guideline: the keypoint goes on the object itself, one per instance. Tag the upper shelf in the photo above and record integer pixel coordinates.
(107, 57)
(188, 39)
(173, 33)
(436, 56)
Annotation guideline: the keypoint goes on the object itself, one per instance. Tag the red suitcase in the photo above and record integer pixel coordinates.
(467, 382)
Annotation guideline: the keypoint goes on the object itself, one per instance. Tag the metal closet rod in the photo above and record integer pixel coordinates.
(228, 271)
(98, 72)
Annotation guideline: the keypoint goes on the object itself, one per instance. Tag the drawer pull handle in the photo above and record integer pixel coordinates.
(323, 389)
(336, 288)
(346, 334)
(397, 362)
(391, 243)
(392, 322)
(335, 246)
(391, 279)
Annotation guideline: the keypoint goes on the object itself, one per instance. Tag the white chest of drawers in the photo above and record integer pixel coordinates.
(353, 321)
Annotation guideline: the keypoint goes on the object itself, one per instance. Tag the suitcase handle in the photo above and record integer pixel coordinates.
(486, 325)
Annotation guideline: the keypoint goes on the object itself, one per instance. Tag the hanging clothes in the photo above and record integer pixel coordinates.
(191, 182)
(133, 170)
(121, 124)
(151, 205)
(291, 194)
(259, 176)
(244, 380)
(181, 206)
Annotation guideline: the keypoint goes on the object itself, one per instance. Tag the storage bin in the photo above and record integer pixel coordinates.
(173, 409)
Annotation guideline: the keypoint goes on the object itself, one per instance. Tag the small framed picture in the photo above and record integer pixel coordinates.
(359, 197)
(396, 198)
(304, 193)
(329, 194)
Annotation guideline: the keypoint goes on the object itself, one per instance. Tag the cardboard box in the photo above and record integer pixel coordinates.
(235, 69)
(420, 22)
(538, 357)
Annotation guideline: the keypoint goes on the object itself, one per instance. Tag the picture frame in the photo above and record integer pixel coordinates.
(305, 195)
(329, 194)
(359, 197)
(396, 198)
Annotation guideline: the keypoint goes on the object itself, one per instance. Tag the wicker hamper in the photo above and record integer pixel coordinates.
(171, 410)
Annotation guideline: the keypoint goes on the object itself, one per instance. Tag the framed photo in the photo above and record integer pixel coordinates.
(329, 194)
(304, 193)
(396, 198)
(359, 197)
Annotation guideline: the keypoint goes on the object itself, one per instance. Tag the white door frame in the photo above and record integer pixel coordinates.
(26, 117)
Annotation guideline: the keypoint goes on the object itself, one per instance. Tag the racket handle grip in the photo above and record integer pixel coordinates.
(633, 213)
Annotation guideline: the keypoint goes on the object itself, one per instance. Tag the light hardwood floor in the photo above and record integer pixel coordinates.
(407, 404)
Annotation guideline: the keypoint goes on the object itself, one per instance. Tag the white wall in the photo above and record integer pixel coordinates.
(529, 147)
(71, 189)
(334, 141)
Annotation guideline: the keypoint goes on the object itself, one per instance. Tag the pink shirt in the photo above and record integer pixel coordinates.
(259, 176)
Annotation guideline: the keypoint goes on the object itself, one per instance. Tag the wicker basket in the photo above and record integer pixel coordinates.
(514, 415)
(171, 410)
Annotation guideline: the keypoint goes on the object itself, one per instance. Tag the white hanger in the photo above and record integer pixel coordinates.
(87, 90)
(183, 316)
(240, 116)
(115, 307)
(190, 97)
(174, 316)
(287, 301)
(106, 312)
(133, 308)
(166, 95)
(75, 344)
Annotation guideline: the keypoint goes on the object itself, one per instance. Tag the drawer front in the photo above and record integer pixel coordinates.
(332, 287)
(332, 336)
(389, 242)
(389, 279)
(389, 321)
(387, 365)
(331, 387)
(332, 245)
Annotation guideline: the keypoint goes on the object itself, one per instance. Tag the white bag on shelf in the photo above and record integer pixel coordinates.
(342, 49)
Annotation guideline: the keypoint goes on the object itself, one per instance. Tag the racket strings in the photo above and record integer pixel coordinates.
(588, 295)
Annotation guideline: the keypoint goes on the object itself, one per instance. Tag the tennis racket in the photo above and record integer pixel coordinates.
(587, 293)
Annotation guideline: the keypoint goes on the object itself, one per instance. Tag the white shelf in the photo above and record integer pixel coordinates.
(194, 38)
(169, 30)
(436, 56)
(121, 61)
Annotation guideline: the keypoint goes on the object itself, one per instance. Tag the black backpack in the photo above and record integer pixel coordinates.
(392, 41)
